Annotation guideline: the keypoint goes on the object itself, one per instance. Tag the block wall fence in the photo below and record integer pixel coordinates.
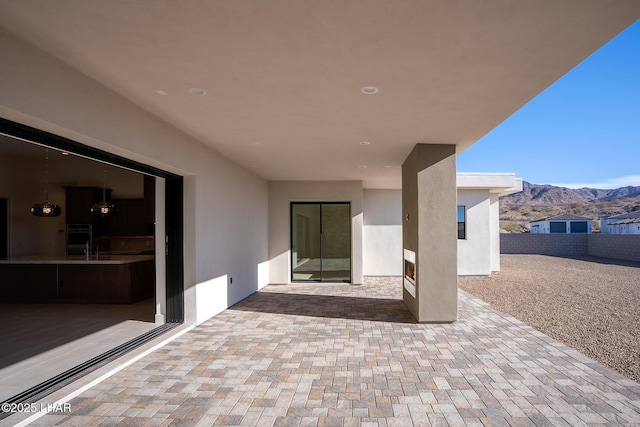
(615, 246)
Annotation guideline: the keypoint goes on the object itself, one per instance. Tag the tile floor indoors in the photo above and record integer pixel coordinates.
(342, 355)
(40, 341)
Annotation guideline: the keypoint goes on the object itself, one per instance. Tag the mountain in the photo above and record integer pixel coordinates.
(540, 201)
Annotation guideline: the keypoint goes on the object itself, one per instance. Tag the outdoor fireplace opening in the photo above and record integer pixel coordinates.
(410, 272)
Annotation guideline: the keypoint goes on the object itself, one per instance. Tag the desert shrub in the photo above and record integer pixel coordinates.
(511, 226)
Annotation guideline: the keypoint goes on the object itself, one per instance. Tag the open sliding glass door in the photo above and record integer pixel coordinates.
(321, 242)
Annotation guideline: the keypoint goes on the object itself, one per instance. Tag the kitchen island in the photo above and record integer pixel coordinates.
(103, 279)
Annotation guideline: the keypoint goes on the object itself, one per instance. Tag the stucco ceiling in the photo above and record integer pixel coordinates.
(283, 78)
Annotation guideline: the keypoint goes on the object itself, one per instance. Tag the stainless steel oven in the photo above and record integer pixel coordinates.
(78, 235)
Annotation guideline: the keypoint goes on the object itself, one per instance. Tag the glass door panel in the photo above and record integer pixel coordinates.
(305, 241)
(321, 242)
(336, 242)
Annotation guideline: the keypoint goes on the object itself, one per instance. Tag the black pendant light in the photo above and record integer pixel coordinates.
(46, 208)
(103, 208)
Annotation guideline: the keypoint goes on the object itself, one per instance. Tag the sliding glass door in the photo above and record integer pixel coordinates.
(321, 242)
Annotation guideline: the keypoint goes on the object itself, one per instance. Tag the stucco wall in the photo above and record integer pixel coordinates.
(474, 252)
(494, 234)
(282, 193)
(631, 228)
(382, 233)
(430, 230)
(479, 254)
(225, 205)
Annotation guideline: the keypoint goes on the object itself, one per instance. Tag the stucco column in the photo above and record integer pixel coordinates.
(429, 232)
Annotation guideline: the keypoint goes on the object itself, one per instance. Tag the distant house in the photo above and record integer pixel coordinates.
(626, 223)
(564, 224)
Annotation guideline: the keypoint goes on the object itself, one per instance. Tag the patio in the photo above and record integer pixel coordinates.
(342, 355)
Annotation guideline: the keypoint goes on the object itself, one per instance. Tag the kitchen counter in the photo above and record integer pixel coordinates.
(79, 259)
(109, 279)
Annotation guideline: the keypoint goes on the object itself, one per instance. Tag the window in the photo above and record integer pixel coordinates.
(462, 222)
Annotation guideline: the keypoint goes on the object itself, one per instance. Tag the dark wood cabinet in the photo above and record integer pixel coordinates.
(91, 283)
(128, 220)
(79, 201)
(106, 284)
(133, 217)
(149, 203)
(28, 282)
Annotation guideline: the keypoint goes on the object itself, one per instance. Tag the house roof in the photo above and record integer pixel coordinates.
(626, 221)
(627, 215)
(501, 184)
(277, 86)
(562, 217)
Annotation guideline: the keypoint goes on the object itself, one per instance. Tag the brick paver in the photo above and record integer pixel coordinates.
(343, 355)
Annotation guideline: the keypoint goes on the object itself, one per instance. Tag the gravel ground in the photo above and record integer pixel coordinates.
(589, 304)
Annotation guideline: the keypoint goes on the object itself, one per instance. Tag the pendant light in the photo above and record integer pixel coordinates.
(46, 208)
(103, 208)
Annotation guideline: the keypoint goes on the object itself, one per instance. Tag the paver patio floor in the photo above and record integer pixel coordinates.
(342, 355)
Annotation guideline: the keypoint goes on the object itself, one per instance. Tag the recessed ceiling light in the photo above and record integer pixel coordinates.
(369, 90)
(197, 91)
(255, 144)
(388, 166)
(161, 92)
(365, 143)
(64, 153)
(362, 166)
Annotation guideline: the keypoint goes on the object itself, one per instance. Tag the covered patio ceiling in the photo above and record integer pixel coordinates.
(282, 80)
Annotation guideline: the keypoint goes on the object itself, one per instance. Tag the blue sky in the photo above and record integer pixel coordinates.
(583, 131)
